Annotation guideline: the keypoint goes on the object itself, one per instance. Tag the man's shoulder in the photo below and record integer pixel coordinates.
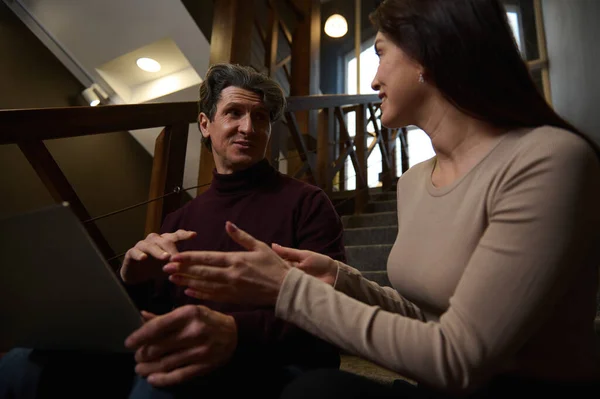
(293, 184)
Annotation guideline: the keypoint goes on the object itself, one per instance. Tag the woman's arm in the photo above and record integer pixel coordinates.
(542, 235)
(351, 282)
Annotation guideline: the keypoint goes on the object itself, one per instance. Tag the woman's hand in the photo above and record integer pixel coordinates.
(253, 277)
(320, 266)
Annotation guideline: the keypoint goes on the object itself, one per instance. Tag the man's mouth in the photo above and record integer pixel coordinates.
(243, 143)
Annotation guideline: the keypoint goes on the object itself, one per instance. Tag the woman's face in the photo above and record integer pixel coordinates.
(397, 81)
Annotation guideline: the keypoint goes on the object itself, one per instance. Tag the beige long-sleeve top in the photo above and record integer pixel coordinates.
(494, 273)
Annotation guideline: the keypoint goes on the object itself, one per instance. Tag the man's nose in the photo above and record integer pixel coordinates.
(246, 125)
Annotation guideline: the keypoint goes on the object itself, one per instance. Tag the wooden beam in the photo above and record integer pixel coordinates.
(283, 62)
(52, 123)
(305, 69)
(61, 190)
(271, 41)
(360, 142)
(167, 175)
(542, 48)
(231, 39)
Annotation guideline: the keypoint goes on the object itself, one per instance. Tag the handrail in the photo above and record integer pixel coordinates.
(52, 123)
(304, 103)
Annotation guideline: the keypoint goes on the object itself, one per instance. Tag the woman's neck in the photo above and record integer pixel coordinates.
(459, 140)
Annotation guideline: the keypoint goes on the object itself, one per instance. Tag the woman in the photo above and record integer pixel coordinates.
(495, 266)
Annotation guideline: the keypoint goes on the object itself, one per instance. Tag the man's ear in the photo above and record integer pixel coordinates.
(203, 122)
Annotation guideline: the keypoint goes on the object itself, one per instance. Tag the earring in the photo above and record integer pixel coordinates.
(421, 78)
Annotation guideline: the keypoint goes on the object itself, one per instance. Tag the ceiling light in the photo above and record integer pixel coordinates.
(148, 64)
(336, 26)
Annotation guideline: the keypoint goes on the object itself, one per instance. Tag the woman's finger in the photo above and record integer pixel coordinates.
(241, 237)
(290, 254)
(208, 258)
(217, 281)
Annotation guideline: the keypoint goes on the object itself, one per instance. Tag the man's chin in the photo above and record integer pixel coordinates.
(242, 161)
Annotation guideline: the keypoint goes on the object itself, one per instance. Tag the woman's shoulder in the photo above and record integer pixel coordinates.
(552, 141)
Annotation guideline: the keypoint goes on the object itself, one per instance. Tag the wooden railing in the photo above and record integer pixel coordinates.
(320, 155)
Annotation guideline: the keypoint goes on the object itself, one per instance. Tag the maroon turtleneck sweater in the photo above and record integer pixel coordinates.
(273, 208)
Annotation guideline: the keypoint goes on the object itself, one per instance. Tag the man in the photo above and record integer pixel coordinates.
(240, 344)
(192, 348)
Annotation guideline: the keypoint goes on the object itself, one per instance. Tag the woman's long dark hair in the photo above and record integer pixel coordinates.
(469, 53)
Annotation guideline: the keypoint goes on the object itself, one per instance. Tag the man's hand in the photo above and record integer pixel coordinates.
(145, 260)
(189, 341)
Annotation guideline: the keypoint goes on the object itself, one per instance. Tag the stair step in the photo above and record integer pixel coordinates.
(368, 257)
(378, 276)
(384, 196)
(370, 220)
(370, 235)
(381, 206)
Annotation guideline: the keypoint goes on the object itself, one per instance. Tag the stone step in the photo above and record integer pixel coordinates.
(370, 235)
(381, 206)
(383, 196)
(370, 220)
(378, 276)
(368, 257)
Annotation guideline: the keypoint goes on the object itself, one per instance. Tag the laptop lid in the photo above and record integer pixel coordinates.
(56, 290)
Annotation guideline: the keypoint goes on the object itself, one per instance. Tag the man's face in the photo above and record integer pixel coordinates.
(240, 130)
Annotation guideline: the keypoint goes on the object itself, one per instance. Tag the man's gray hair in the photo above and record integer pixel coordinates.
(220, 76)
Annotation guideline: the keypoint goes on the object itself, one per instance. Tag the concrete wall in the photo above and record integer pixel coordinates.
(572, 32)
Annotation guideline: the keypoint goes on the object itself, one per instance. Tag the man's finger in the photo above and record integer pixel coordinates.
(148, 315)
(241, 237)
(154, 329)
(172, 360)
(289, 254)
(152, 249)
(180, 235)
(136, 255)
(179, 375)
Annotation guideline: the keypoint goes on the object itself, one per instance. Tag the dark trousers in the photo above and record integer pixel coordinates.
(33, 374)
(331, 384)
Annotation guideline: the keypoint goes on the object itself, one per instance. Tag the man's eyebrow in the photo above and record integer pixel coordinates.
(242, 105)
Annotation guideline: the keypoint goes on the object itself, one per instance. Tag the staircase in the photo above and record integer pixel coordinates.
(369, 237)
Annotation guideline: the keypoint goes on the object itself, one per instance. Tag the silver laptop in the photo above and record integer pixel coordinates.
(56, 290)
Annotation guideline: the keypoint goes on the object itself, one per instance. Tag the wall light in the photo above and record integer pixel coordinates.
(91, 97)
(148, 64)
(94, 95)
(336, 26)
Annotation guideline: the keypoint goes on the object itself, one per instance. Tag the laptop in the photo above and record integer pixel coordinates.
(56, 290)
